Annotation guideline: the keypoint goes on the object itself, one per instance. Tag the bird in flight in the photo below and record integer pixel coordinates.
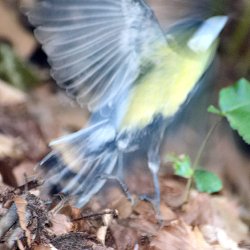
(114, 57)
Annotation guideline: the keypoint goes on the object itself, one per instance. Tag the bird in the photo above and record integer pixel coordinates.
(114, 57)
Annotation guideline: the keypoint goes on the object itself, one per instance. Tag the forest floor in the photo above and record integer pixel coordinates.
(29, 219)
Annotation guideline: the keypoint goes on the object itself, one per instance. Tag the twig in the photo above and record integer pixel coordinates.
(28, 186)
(90, 216)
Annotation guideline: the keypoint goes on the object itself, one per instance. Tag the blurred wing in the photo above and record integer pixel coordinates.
(95, 46)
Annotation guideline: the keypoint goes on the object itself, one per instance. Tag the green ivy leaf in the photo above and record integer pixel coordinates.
(182, 165)
(234, 103)
(206, 181)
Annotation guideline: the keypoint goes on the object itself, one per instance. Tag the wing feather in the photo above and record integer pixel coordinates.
(92, 43)
(98, 56)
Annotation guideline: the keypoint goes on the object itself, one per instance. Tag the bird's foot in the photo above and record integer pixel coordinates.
(154, 200)
(122, 185)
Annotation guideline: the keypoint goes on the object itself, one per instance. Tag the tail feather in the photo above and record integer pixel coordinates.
(78, 161)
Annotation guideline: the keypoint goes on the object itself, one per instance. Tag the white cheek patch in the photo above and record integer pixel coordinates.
(207, 33)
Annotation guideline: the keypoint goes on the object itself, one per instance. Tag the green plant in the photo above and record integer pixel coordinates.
(14, 71)
(205, 181)
(234, 105)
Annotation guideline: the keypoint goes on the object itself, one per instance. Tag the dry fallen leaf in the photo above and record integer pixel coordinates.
(11, 29)
(217, 235)
(74, 214)
(125, 237)
(102, 231)
(21, 205)
(60, 224)
(10, 147)
(167, 214)
(180, 236)
(11, 96)
(24, 172)
(228, 218)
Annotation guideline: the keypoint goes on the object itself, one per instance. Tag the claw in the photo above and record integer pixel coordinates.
(154, 199)
(123, 186)
(155, 202)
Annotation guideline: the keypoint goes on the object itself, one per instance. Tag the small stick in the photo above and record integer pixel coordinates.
(90, 216)
(28, 186)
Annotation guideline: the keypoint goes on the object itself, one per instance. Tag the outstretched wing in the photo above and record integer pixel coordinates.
(95, 47)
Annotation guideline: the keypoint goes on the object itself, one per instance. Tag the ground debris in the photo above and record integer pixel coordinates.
(25, 221)
(206, 222)
(28, 222)
(22, 143)
(76, 240)
(10, 96)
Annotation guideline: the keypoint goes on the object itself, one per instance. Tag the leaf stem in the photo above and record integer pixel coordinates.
(204, 143)
(197, 159)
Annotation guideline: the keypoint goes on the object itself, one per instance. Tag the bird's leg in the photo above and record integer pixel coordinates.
(119, 171)
(122, 185)
(154, 165)
(118, 176)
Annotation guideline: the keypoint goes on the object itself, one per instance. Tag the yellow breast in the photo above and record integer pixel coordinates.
(166, 86)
